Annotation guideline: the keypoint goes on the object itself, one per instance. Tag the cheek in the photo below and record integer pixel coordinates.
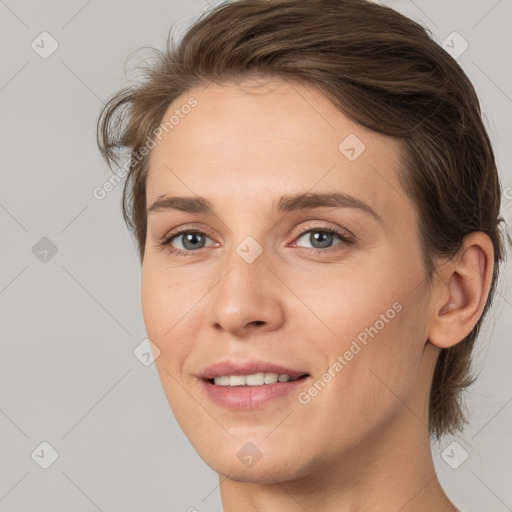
(376, 339)
(165, 303)
(352, 300)
(167, 299)
(164, 314)
(368, 383)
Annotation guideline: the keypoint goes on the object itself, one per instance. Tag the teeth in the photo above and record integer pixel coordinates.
(271, 378)
(236, 380)
(221, 381)
(255, 379)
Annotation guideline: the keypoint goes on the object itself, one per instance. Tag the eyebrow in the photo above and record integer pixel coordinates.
(286, 204)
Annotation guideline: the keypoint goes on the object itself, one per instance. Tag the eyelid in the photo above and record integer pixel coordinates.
(316, 225)
(346, 237)
(301, 231)
(182, 229)
(165, 240)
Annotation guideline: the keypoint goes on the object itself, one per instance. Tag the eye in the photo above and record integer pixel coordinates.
(187, 241)
(323, 238)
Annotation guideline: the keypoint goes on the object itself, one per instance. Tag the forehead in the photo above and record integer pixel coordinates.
(246, 142)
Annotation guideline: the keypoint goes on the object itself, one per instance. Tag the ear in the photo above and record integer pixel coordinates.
(461, 291)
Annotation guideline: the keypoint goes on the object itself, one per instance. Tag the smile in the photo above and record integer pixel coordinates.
(246, 396)
(255, 379)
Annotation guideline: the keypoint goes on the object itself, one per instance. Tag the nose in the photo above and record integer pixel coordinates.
(248, 298)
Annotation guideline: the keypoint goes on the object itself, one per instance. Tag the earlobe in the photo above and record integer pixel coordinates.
(461, 291)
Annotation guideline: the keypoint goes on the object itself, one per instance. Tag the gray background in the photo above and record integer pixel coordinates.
(70, 322)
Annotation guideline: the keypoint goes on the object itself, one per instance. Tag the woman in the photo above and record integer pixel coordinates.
(316, 205)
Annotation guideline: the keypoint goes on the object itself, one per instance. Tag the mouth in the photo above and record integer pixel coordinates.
(254, 379)
(250, 385)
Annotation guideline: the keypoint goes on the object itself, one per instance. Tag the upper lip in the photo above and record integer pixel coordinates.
(223, 368)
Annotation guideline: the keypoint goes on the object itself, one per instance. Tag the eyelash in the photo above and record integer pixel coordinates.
(167, 239)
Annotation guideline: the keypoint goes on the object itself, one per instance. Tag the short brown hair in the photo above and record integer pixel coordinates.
(379, 68)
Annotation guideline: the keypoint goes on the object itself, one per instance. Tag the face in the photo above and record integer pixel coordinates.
(300, 257)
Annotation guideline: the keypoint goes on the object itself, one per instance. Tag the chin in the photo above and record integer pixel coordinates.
(248, 464)
(260, 473)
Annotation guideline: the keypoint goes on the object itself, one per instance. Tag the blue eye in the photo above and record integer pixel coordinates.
(192, 241)
(322, 238)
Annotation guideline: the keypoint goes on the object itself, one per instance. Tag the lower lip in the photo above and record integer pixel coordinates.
(250, 397)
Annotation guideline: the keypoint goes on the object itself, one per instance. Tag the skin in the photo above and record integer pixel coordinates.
(362, 442)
